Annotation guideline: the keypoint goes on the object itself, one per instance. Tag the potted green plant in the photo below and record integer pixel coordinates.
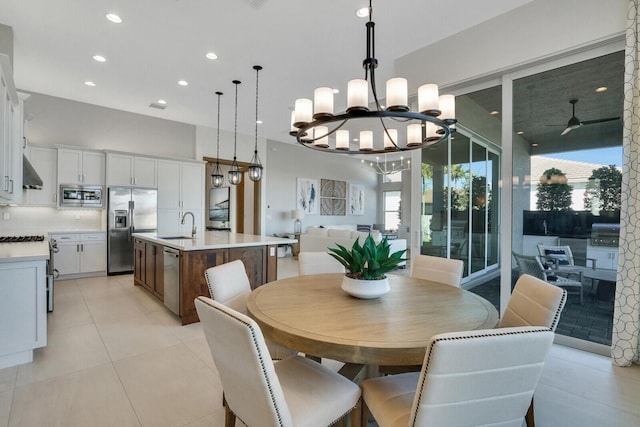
(366, 266)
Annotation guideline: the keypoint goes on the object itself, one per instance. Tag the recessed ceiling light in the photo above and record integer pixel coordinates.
(336, 91)
(211, 55)
(601, 89)
(494, 112)
(520, 132)
(355, 140)
(534, 144)
(99, 58)
(89, 83)
(183, 83)
(259, 122)
(161, 102)
(114, 18)
(363, 12)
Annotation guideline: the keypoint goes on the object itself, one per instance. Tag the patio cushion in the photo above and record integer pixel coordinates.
(559, 255)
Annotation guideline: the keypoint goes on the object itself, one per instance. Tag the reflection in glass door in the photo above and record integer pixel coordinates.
(458, 201)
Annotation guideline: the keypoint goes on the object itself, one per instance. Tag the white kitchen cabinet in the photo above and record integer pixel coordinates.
(128, 170)
(81, 167)
(180, 190)
(44, 160)
(81, 253)
(606, 257)
(23, 310)
(11, 133)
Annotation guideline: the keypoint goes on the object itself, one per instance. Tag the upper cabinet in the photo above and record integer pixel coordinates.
(82, 167)
(180, 185)
(11, 106)
(131, 171)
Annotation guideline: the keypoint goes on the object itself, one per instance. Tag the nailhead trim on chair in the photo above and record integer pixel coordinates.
(556, 317)
(497, 334)
(264, 372)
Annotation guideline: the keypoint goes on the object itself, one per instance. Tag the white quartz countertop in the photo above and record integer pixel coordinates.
(212, 240)
(24, 251)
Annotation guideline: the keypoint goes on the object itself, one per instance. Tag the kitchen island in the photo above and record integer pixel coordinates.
(194, 256)
(23, 301)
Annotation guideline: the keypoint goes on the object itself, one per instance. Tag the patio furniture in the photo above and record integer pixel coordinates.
(561, 259)
(436, 269)
(294, 391)
(469, 378)
(229, 285)
(318, 263)
(533, 302)
(532, 265)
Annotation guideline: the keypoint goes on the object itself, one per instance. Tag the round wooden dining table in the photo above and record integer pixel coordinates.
(313, 315)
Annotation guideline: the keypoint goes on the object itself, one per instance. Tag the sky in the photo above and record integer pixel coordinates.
(602, 156)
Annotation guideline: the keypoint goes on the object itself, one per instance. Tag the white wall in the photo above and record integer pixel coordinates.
(42, 220)
(288, 162)
(52, 120)
(535, 31)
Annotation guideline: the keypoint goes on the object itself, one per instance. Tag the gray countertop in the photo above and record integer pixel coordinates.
(212, 240)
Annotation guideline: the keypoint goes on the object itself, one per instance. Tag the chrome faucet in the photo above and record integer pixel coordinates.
(544, 225)
(193, 223)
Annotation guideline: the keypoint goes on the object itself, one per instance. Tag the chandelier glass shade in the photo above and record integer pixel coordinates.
(371, 129)
(255, 167)
(235, 174)
(217, 178)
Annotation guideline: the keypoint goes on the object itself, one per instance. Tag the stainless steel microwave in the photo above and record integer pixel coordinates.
(81, 196)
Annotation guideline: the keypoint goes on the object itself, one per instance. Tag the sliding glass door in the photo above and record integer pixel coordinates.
(460, 201)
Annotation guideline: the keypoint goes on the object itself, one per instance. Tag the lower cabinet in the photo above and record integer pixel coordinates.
(81, 254)
(23, 311)
(147, 268)
(606, 257)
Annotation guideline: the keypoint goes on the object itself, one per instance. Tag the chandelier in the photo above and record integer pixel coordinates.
(388, 167)
(315, 125)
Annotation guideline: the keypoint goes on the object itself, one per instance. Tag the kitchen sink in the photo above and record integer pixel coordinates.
(174, 237)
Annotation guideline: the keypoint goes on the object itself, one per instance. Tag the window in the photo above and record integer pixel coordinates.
(391, 200)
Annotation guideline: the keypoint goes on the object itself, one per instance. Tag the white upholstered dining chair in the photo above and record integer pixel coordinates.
(318, 263)
(533, 302)
(229, 285)
(436, 269)
(482, 377)
(293, 392)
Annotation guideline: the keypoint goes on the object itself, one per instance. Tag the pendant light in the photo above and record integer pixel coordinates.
(255, 168)
(235, 174)
(217, 178)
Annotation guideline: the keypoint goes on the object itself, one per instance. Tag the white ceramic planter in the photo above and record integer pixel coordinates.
(365, 289)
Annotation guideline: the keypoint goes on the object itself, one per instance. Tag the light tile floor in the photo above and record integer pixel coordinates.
(117, 357)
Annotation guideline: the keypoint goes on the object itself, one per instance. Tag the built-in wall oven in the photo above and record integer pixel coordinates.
(81, 196)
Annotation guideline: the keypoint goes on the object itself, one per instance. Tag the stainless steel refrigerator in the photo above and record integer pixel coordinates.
(131, 210)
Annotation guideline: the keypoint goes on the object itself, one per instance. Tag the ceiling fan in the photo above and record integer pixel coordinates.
(575, 123)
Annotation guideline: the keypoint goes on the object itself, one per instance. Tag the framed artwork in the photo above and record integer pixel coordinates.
(356, 199)
(333, 197)
(307, 195)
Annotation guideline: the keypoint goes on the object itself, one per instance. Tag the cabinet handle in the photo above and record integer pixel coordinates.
(135, 180)
(79, 177)
(11, 184)
(81, 247)
(77, 247)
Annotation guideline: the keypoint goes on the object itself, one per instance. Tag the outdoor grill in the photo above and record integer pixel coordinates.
(605, 234)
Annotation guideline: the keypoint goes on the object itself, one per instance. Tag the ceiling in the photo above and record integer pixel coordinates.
(301, 44)
(541, 107)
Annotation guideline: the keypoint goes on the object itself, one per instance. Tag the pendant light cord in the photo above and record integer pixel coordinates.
(255, 148)
(235, 126)
(218, 133)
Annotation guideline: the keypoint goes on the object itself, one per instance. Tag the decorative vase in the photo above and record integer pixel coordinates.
(365, 289)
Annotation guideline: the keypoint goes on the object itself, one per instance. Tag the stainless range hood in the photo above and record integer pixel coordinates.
(30, 178)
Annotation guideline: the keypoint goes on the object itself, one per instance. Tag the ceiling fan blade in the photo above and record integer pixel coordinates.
(566, 131)
(590, 122)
